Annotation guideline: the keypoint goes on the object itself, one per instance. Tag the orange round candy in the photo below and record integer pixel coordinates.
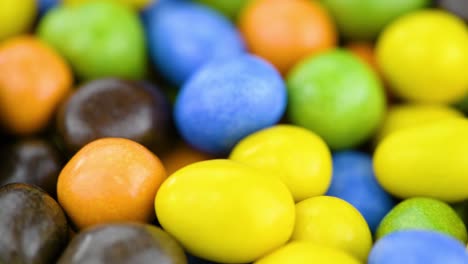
(34, 79)
(181, 156)
(110, 180)
(286, 31)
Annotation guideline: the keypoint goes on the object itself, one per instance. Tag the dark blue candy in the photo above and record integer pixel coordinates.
(184, 36)
(354, 181)
(418, 247)
(228, 100)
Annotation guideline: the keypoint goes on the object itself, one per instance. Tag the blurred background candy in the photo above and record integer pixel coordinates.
(284, 32)
(227, 100)
(354, 181)
(337, 96)
(183, 37)
(458, 7)
(16, 17)
(99, 38)
(229, 8)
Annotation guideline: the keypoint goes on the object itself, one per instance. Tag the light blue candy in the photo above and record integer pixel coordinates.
(228, 100)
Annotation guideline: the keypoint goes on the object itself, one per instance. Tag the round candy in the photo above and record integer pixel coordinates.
(123, 243)
(404, 116)
(332, 222)
(139, 4)
(228, 100)
(427, 160)
(417, 246)
(100, 39)
(285, 31)
(16, 17)
(458, 7)
(423, 213)
(364, 19)
(31, 161)
(338, 97)
(34, 79)
(109, 180)
(114, 108)
(185, 36)
(354, 181)
(306, 252)
(300, 158)
(229, 8)
(424, 56)
(225, 211)
(33, 226)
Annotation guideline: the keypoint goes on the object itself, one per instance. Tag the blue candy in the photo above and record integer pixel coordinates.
(46, 5)
(416, 247)
(184, 36)
(228, 100)
(354, 181)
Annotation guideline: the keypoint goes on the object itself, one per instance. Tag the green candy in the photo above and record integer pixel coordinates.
(423, 213)
(98, 38)
(229, 8)
(337, 96)
(364, 19)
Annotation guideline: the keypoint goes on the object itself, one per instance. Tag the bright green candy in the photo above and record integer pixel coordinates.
(364, 19)
(338, 97)
(99, 39)
(423, 213)
(229, 8)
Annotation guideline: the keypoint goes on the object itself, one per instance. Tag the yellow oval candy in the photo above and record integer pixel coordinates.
(424, 56)
(298, 156)
(330, 221)
(16, 16)
(299, 252)
(226, 211)
(409, 115)
(428, 160)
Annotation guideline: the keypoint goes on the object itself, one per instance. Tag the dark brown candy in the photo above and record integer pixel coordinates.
(114, 108)
(32, 161)
(33, 227)
(123, 243)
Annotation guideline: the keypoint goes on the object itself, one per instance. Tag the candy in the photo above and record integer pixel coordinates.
(423, 213)
(364, 19)
(99, 38)
(182, 155)
(201, 207)
(184, 37)
(402, 116)
(228, 100)
(417, 246)
(337, 96)
(229, 8)
(424, 56)
(330, 221)
(458, 7)
(354, 181)
(299, 157)
(114, 108)
(34, 79)
(109, 180)
(427, 160)
(33, 226)
(16, 17)
(286, 31)
(123, 243)
(139, 4)
(306, 252)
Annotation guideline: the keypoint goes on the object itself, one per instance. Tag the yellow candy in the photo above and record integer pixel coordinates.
(424, 56)
(226, 211)
(409, 115)
(332, 222)
(305, 252)
(16, 16)
(139, 4)
(428, 160)
(298, 156)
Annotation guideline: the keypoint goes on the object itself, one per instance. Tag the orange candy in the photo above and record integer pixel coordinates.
(365, 51)
(109, 180)
(34, 79)
(181, 156)
(286, 31)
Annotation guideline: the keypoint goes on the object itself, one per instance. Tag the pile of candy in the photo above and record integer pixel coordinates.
(234, 131)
